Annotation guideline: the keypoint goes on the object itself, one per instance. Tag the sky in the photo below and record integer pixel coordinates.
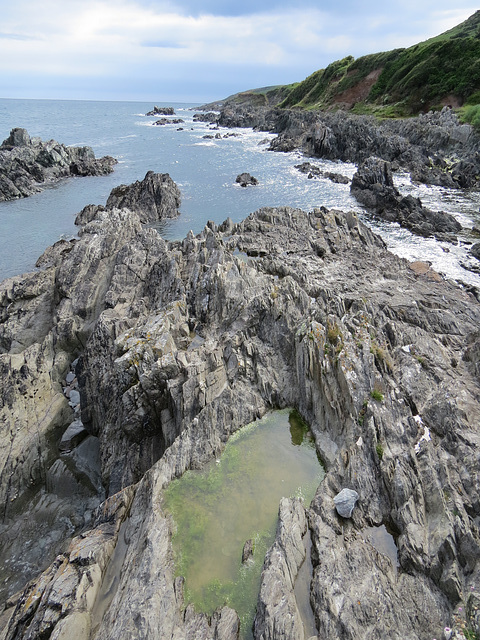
(190, 51)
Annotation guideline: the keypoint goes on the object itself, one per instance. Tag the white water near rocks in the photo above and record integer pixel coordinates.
(205, 170)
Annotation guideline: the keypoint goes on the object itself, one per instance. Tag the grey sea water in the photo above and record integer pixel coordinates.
(205, 171)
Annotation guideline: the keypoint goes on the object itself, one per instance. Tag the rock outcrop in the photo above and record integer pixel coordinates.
(153, 198)
(161, 111)
(435, 147)
(245, 179)
(372, 185)
(182, 343)
(28, 163)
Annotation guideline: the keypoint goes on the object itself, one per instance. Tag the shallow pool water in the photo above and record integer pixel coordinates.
(235, 499)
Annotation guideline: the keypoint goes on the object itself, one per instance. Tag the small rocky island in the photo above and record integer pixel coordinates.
(172, 347)
(27, 164)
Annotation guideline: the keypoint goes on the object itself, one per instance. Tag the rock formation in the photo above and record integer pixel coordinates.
(28, 163)
(161, 111)
(373, 186)
(245, 179)
(435, 148)
(180, 344)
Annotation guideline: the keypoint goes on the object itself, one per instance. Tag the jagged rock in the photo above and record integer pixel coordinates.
(277, 616)
(153, 198)
(183, 343)
(161, 111)
(345, 502)
(163, 121)
(210, 117)
(372, 185)
(434, 147)
(245, 179)
(27, 163)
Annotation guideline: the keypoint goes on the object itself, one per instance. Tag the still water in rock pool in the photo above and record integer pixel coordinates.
(235, 499)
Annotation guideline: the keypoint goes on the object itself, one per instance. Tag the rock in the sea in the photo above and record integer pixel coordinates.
(372, 185)
(153, 198)
(245, 179)
(27, 163)
(345, 502)
(161, 111)
(475, 250)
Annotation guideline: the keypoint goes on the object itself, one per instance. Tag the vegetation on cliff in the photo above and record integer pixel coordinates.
(444, 70)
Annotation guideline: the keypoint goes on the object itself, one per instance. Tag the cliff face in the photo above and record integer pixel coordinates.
(182, 343)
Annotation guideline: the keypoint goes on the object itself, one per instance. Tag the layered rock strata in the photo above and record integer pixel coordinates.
(182, 343)
(28, 163)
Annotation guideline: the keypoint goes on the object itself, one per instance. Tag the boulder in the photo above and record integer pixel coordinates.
(345, 502)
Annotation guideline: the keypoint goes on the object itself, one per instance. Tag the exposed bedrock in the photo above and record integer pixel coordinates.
(372, 185)
(434, 147)
(28, 163)
(183, 343)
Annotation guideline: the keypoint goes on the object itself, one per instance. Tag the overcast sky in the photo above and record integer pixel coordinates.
(194, 51)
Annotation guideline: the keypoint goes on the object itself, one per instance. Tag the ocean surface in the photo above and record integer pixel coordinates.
(205, 171)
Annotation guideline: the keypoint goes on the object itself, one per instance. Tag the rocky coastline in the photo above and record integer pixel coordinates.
(173, 346)
(435, 148)
(28, 164)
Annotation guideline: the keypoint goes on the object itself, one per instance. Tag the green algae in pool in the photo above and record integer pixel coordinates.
(234, 499)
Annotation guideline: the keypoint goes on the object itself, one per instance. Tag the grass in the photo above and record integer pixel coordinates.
(376, 395)
(410, 81)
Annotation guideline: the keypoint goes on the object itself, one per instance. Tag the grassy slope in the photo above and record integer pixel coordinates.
(402, 82)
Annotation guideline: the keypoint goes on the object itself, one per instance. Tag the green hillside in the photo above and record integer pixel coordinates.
(442, 70)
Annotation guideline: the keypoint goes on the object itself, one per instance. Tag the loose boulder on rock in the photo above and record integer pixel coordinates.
(345, 502)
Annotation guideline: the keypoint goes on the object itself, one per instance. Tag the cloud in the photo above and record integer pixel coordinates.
(148, 43)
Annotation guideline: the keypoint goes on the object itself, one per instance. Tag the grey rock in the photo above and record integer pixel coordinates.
(153, 198)
(74, 434)
(345, 502)
(475, 250)
(372, 185)
(161, 111)
(277, 616)
(183, 343)
(248, 549)
(245, 179)
(28, 163)
(434, 147)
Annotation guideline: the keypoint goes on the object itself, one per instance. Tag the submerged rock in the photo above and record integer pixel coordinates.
(28, 163)
(248, 549)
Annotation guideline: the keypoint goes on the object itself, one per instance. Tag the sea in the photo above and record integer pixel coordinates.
(205, 169)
